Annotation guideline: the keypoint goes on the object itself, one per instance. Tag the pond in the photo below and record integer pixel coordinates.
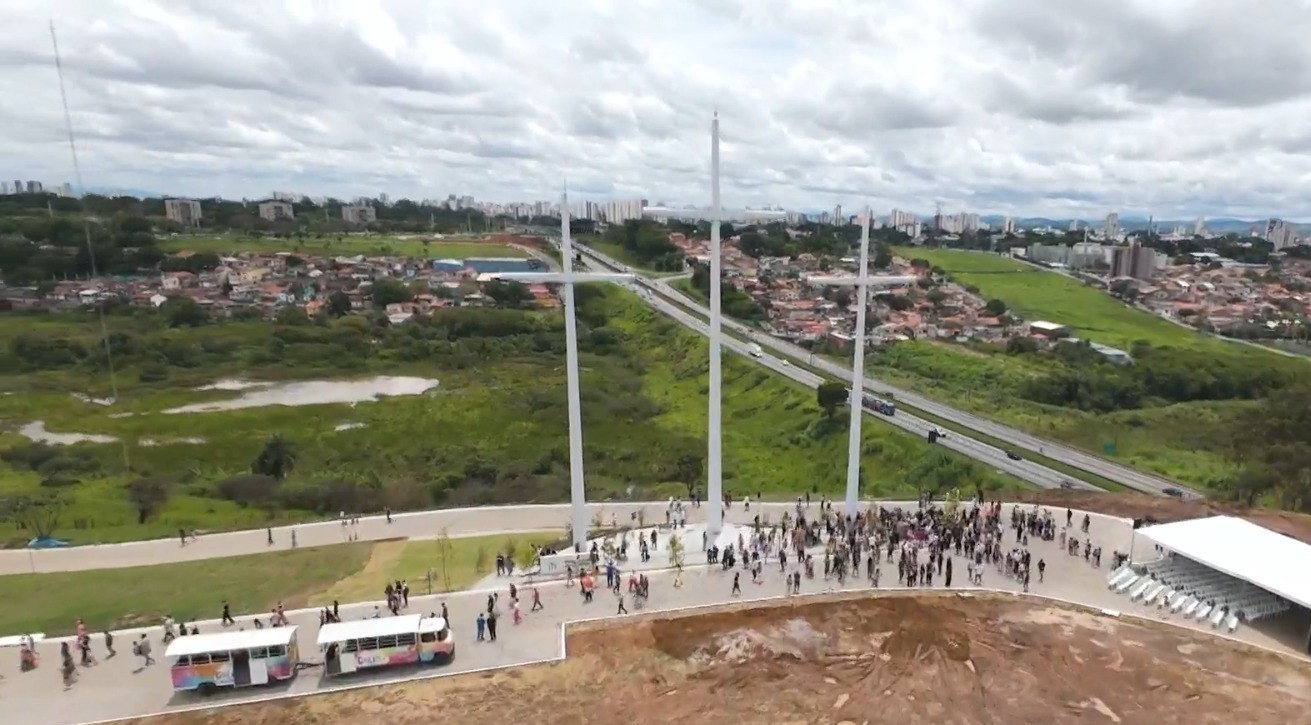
(312, 392)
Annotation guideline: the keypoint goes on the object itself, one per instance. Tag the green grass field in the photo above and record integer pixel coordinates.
(467, 561)
(51, 603)
(1038, 294)
(253, 585)
(492, 431)
(346, 245)
(613, 251)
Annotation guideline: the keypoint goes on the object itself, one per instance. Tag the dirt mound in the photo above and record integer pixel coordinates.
(906, 659)
(1166, 510)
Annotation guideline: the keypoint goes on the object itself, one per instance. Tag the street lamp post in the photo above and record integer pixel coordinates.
(862, 283)
(715, 214)
(567, 277)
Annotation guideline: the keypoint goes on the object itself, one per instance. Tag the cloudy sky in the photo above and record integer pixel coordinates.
(1029, 107)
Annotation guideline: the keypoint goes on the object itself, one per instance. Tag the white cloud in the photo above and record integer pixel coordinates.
(1056, 107)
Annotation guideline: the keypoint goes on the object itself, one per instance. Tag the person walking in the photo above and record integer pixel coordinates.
(619, 594)
(227, 615)
(537, 600)
(109, 644)
(141, 648)
(482, 626)
(491, 626)
(737, 584)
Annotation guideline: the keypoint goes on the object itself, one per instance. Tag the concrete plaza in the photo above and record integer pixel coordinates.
(120, 688)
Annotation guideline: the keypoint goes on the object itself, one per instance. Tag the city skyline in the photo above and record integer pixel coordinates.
(1054, 109)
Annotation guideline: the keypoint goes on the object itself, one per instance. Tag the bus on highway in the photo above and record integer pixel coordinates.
(206, 662)
(385, 642)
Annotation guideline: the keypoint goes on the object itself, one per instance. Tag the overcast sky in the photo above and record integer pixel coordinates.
(1028, 107)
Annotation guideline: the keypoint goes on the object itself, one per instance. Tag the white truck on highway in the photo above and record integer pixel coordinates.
(755, 350)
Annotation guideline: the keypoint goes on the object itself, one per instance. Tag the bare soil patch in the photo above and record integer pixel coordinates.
(909, 660)
(1166, 510)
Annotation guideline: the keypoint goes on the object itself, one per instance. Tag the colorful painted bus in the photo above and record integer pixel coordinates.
(206, 662)
(385, 642)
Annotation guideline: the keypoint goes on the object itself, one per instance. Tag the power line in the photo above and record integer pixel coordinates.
(86, 227)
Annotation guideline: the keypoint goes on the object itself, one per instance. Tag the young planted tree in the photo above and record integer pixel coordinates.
(675, 548)
(445, 549)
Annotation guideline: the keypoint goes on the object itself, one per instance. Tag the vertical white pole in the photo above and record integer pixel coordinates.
(714, 464)
(577, 493)
(858, 373)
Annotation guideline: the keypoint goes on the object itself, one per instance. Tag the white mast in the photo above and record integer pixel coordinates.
(862, 283)
(577, 489)
(716, 214)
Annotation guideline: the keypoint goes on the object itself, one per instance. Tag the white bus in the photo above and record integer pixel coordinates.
(206, 662)
(385, 642)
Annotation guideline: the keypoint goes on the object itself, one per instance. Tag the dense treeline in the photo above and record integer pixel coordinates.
(1088, 381)
(648, 242)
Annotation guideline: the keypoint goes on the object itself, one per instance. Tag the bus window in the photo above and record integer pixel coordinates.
(387, 640)
(428, 637)
(219, 656)
(405, 640)
(444, 635)
(277, 651)
(259, 653)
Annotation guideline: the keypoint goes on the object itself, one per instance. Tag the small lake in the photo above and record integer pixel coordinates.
(313, 392)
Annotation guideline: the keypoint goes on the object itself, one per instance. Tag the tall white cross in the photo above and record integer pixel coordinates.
(862, 283)
(715, 214)
(577, 490)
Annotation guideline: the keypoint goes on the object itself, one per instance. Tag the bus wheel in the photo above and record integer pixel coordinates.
(206, 689)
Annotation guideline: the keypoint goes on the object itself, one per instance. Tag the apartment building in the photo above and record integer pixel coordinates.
(359, 214)
(1280, 234)
(276, 210)
(1134, 261)
(183, 211)
(618, 212)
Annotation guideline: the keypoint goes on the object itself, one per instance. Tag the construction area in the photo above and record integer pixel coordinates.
(908, 658)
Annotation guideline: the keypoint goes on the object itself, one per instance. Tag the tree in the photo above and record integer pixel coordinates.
(390, 291)
(338, 304)
(508, 293)
(675, 548)
(445, 548)
(995, 307)
(830, 395)
(147, 496)
(688, 471)
(276, 459)
(184, 312)
(37, 513)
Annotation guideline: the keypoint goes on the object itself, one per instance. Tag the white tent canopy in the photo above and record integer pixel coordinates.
(1243, 550)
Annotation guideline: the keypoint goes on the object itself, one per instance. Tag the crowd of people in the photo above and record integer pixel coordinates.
(922, 544)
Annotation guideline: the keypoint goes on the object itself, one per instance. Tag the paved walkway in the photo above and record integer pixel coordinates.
(418, 524)
(120, 688)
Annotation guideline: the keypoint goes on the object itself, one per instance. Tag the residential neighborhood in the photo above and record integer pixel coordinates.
(269, 282)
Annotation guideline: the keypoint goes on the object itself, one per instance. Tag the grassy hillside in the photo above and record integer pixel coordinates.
(492, 431)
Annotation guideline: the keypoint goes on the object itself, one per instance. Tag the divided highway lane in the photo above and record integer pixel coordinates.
(1124, 475)
(988, 455)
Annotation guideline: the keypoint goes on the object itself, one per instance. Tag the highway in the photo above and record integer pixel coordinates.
(677, 305)
(988, 455)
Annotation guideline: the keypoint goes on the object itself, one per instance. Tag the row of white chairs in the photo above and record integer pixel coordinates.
(1199, 594)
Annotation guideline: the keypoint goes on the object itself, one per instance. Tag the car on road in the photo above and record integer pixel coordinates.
(1013, 456)
(1172, 491)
